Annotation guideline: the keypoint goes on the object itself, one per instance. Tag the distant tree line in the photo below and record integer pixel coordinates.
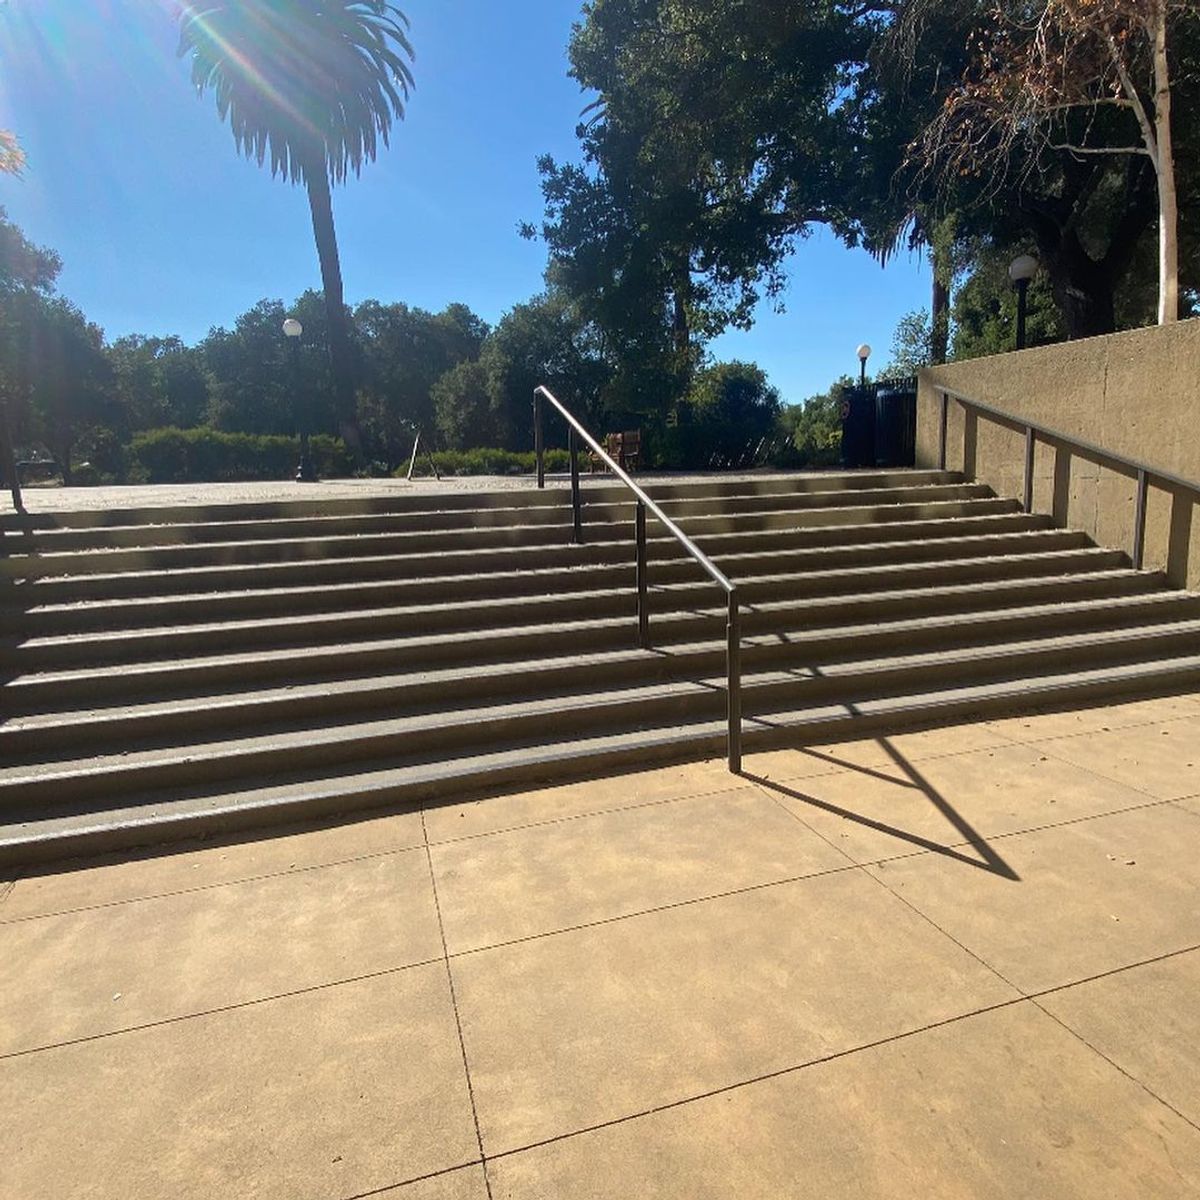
(75, 396)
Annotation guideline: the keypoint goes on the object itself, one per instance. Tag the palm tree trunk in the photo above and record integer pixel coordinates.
(341, 357)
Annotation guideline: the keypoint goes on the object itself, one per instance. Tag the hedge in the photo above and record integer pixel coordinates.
(210, 456)
(485, 461)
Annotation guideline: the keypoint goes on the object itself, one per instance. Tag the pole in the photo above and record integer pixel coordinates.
(412, 462)
(538, 447)
(576, 504)
(733, 686)
(8, 459)
(1022, 291)
(643, 608)
(304, 469)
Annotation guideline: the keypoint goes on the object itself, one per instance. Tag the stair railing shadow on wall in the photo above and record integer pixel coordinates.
(1184, 493)
(733, 640)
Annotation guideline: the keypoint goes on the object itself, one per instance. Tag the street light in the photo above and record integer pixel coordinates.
(292, 329)
(864, 352)
(1020, 271)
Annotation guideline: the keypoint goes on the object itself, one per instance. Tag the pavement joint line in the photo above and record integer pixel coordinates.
(797, 817)
(766, 1077)
(218, 1009)
(200, 887)
(993, 837)
(850, 866)
(764, 790)
(987, 966)
(393, 1187)
(1062, 737)
(7, 887)
(871, 768)
(659, 908)
(595, 812)
(1092, 771)
(1041, 993)
(1116, 1065)
(462, 1044)
(887, 888)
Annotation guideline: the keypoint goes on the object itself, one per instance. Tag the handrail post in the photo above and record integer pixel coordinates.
(576, 505)
(733, 658)
(1139, 521)
(643, 607)
(942, 436)
(538, 445)
(11, 470)
(1029, 450)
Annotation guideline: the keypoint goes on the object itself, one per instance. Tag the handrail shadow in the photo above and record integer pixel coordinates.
(989, 859)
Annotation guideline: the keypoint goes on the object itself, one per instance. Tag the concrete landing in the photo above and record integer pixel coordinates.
(959, 963)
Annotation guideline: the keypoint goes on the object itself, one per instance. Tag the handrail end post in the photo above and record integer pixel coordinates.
(1139, 520)
(539, 451)
(576, 501)
(942, 434)
(643, 606)
(733, 660)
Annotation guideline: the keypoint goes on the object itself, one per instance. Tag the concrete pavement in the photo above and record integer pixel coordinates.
(956, 963)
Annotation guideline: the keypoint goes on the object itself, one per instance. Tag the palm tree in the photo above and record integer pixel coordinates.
(313, 85)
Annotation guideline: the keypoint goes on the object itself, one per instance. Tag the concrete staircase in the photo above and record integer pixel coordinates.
(170, 673)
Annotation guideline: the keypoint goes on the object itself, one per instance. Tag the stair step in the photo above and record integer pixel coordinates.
(139, 724)
(403, 500)
(53, 689)
(99, 586)
(32, 566)
(306, 630)
(533, 718)
(177, 672)
(45, 620)
(353, 794)
(605, 507)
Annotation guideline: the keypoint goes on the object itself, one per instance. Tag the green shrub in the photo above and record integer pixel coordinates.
(205, 455)
(485, 461)
(86, 474)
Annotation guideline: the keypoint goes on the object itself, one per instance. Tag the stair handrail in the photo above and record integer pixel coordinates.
(1035, 431)
(733, 640)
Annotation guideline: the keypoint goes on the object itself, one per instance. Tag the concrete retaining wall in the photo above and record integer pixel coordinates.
(1135, 393)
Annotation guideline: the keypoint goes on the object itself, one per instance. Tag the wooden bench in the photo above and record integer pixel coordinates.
(47, 468)
(624, 448)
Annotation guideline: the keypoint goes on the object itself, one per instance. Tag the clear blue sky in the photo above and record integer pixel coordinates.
(163, 228)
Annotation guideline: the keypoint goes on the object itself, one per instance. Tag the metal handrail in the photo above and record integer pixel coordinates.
(733, 640)
(1035, 431)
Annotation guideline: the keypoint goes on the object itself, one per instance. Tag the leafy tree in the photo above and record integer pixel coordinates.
(62, 370)
(406, 351)
(314, 85)
(27, 277)
(544, 342)
(264, 383)
(159, 382)
(789, 113)
(731, 411)
(816, 425)
(677, 220)
(463, 404)
(12, 157)
(1083, 77)
(911, 346)
(985, 309)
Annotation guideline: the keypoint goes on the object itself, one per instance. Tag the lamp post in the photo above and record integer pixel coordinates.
(292, 329)
(864, 352)
(1020, 271)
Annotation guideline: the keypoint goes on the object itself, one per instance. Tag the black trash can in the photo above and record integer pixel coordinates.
(895, 427)
(858, 427)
